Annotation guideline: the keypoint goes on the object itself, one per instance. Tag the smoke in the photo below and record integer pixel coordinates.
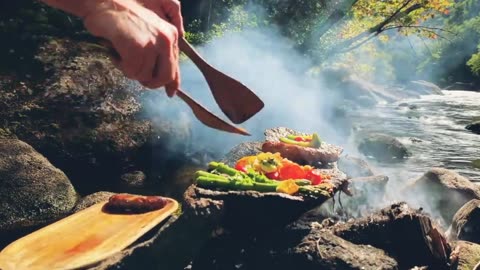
(267, 64)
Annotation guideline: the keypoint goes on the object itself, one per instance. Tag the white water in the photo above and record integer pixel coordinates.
(439, 122)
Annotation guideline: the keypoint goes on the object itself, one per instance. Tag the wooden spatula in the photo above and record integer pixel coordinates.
(81, 240)
(207, 117)
(202, 114)
(235, 100)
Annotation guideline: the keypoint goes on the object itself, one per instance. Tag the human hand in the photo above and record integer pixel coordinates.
(169, 10)
(146, 43)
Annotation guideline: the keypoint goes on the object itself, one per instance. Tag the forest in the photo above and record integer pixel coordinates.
(435, 40)
(415, 39)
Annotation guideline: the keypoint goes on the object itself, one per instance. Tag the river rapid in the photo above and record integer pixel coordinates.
(433, 129)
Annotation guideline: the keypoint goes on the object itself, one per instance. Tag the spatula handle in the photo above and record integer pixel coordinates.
(186, 48)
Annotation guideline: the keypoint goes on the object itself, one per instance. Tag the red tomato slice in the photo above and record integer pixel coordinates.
(315, 176)
(292, 171)
(273, 175)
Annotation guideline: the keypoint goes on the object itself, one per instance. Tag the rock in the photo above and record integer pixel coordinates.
(79, 114)
(354, 167)
(425, 88)
(415, 140)
(6, 134)
(466, 223)
(465, 255)
(82, 114)
(264, 211)
(177, 181)
(172, 244)
(474, 127)
(406, 234)
(242, 150)
(462, 86)
(34, 192)
(135, 179)
(360, 92)
(443, 189)
(291, 249)
(476, 163)
(92, 199)
(383, 147)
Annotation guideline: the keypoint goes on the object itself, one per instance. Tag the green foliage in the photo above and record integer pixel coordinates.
(239, 19)
(474, 64)
(456, 58)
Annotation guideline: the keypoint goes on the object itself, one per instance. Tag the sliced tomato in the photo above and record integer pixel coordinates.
(302, 139)
(273, 175)
(291, 171)
(315, 176)
(243, 164)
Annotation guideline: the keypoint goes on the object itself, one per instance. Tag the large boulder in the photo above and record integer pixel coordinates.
(79, 111)
(383, 147)
(474, 127)
(442, 190)
(466, 222)
(33, 191)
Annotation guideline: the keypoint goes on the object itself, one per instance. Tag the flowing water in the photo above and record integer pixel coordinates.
(434, 132)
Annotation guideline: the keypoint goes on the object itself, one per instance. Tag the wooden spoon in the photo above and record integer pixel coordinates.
(207, 117)
(235, 100)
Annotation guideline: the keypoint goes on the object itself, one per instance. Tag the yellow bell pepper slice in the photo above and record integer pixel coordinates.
(288, 187)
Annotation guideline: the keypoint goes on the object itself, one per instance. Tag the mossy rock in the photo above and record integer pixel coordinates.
(476, 163)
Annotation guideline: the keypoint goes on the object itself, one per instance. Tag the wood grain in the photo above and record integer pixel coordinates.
(82, 239)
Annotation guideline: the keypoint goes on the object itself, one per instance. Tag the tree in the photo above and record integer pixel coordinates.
(369, 19)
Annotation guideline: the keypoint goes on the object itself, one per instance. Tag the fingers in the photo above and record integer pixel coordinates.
(172, 9)
(172, 87)
(149, 64)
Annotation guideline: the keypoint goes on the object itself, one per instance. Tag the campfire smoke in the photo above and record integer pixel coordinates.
(266, 62)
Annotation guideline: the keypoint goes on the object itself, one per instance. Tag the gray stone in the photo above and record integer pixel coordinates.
(443, 189)
(466, 222)
(474, 127)
(92, 199)
(34, 192)
(383, 147)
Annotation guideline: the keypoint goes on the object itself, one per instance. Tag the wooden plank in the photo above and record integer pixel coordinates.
(82, 239)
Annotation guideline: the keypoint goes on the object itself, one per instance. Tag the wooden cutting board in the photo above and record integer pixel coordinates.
(81, 240)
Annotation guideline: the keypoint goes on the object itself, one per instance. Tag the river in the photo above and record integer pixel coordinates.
(434, 132)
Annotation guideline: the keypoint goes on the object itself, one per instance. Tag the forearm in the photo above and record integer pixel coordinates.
(82, 8)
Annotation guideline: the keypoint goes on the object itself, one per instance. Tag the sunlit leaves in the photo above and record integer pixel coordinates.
(403, 15)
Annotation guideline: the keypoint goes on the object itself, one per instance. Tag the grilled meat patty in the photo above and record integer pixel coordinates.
(135, 203)
(327, 153)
